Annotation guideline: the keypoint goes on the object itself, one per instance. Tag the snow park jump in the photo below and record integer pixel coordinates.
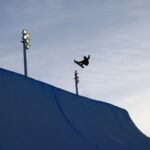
(38, 116)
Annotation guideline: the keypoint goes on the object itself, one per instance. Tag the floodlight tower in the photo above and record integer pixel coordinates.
(76, 81)
(25, 41)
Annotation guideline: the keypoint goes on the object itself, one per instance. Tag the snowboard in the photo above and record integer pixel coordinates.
(78, 63)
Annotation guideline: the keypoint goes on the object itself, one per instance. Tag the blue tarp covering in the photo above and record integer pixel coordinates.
(38, 116)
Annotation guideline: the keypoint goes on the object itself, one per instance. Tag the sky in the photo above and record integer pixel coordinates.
(115, 33)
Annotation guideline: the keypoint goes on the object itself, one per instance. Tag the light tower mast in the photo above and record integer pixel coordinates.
(25, 41)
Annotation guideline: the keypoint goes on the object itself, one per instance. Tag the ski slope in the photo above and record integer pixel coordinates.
(38, 116)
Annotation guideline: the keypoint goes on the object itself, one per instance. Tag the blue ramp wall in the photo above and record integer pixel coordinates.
(38, 116)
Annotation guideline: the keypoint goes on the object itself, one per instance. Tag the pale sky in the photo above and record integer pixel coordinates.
(115, 32)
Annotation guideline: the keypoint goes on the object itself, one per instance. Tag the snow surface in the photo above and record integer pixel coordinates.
(38, 116)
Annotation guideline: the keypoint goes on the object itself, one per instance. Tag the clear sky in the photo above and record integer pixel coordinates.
(115, 32)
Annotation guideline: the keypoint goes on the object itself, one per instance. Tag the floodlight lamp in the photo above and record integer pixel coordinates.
(24, 31)
(25, 37)
(28, 35)
(28, 46)
(27, 40)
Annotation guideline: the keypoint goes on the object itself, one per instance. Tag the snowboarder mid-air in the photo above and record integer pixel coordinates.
(85, 61)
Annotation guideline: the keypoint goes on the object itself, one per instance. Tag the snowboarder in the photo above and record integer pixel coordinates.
(85, 61)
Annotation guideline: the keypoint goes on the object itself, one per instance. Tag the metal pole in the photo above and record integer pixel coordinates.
(25, 41)
(25, 60)
(76, 82)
